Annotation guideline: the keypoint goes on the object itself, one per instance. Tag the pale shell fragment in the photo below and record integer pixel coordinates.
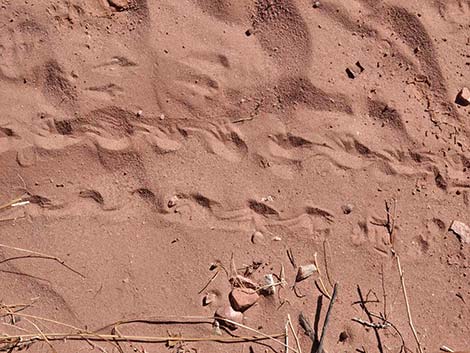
(305, 272)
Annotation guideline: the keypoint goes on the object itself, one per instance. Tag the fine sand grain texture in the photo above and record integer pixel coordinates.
(155, 138)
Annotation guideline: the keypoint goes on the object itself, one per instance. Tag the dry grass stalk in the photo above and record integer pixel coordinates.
(25, 340)
(11, 203)
(286, 329)
(408, 311)
(37, 255)
(320, 281)
(10, 342)
(327, 319)
(297, 342)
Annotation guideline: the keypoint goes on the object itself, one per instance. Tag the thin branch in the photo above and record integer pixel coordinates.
(287, 336)
(370, 317)
(327, 318)
(48, 320)
(391, 218)
(325, 243)
(385, 321)
(408, 311)
(324, 291)
(291, 257)
(209, 282)
(374, 325)
(271, 337)
(193, 320)
(242, 120)
(9, 204)
(44, 256)
(31, 338)
(303, 321)
(42, 335)
(297, 343)
(384, 292)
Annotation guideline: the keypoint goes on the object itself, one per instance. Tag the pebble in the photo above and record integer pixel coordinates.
(243, 298)
(208, 299)
(463, 98)
(257, 238)
(351, 74)
(172, 202)
(343, 336)
(347, 209)
(316, 4)
(305, 271)
(268, 198)
(139, 113)
(268, 284)
(227, 312)
(462, 230)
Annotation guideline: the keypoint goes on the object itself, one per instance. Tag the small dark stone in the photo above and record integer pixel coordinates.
(361, 68)
(351, 74)
(347, 209)
(248, 32)
(343, 336)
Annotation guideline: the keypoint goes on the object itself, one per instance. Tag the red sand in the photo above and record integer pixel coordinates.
(242, 117)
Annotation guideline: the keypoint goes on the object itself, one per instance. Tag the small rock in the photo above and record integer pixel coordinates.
(243, 298)
(208, 299)
(172, 202)
(351, 74)
(227, 312)
(276, 238)
(268, 198)
(347, 209)
(462, 231)
(268, 285)
(343, 336)
(359, 65)
(463, 98)
(257, 238)
(316, 4)
(139, 113)
(162, 116)
(305, 272)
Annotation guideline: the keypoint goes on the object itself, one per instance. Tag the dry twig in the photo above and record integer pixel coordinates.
(325, 254)
(287, 336)
(408, 311)
(327, 318)
(391, 218)
(363, 302)
(322, 287)
(374, 325)
(35, 254)
(11, 342)
(297, 343)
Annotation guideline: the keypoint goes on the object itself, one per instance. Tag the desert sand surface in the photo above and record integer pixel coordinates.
(155, 150)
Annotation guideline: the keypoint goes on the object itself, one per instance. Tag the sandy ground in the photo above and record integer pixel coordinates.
(154, 138)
